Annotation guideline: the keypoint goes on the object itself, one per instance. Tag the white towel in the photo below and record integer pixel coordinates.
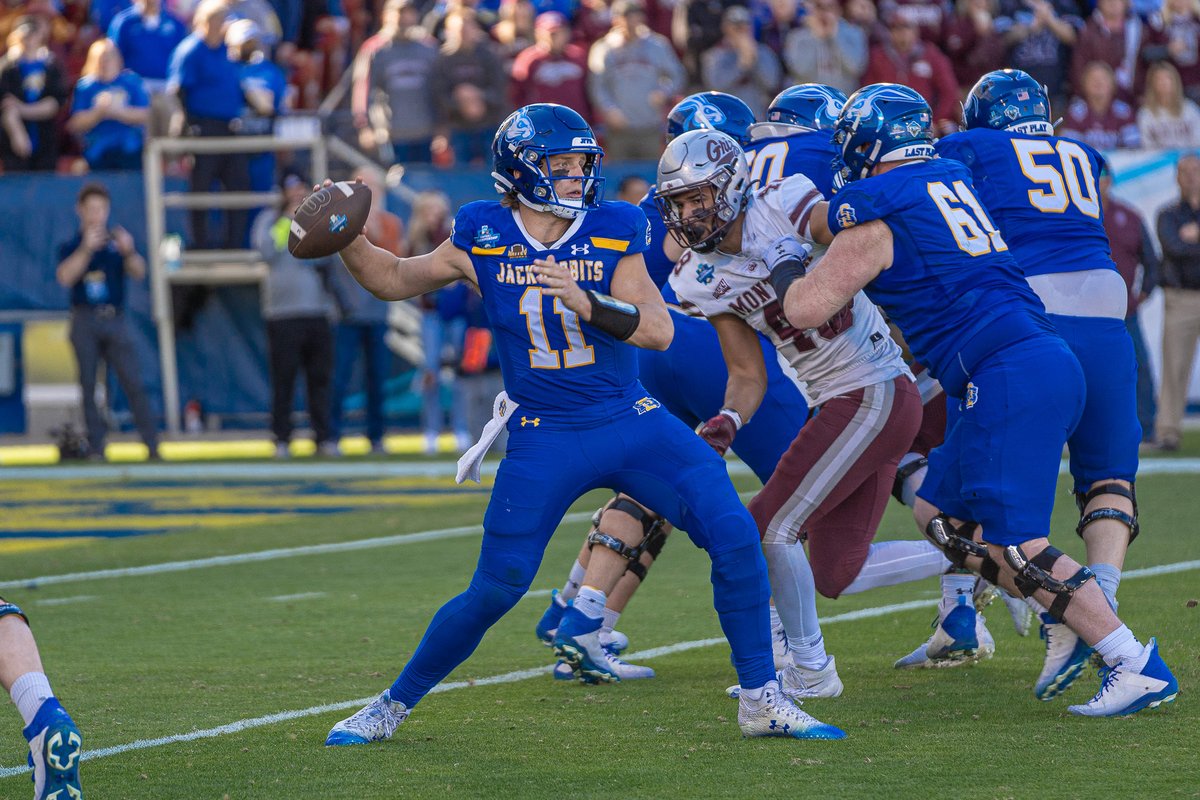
(468, 464)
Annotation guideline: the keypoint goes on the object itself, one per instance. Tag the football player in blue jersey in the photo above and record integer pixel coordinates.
(565, 287)
(688, 378)
(796, 137)
(1042, 192)
(912, 232)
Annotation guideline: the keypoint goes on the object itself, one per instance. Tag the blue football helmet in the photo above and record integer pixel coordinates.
(1008, 100)
(880, 123)
(713, 111)
(807, 106)
(521, 153)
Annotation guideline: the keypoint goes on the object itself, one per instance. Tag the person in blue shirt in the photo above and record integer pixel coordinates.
(147, 34)
(688, 378)
(911, 231)
(110, 110)
(1043, 193)
(796, 137)
(207, 84)
(566, 292)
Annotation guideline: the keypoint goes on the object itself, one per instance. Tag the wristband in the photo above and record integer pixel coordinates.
(616, 318)
(733, 415)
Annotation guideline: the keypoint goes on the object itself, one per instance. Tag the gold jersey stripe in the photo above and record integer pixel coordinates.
(490, 251)
(620, 245)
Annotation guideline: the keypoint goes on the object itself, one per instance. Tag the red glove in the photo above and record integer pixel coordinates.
(720, 430)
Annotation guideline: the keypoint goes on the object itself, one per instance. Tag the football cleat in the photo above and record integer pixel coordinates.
(592, 662)
(775, 715)
(1125, 690)
(799, 683)
(563, 671)
(1066, 657)
(548, 624)
(961, 637)
(55, 749)
(615, 641)
(376, 721)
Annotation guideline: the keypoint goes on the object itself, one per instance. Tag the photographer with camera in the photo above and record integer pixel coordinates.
(93, 266)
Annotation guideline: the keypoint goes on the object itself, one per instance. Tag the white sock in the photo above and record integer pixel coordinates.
(908, 490)
(574, 581)
(1122, 645)
(954, 586)
(610, 619)
(590, 602)
(28, 692)
(795, 594)
(889, 563)
(754, 695)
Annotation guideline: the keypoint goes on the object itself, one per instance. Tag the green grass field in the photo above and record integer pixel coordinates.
(214, 650)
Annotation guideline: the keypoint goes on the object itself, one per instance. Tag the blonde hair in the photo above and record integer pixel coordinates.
(91, 65)
(1150, 99)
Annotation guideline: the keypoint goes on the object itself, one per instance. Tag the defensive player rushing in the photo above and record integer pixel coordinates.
(1041, 191)
(55, 744)
(546, 259)
(688, 378)
(911, 230)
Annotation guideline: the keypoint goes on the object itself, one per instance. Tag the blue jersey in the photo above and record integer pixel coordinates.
(1041, 191)
(657, 263)
(953, 288)
(556, 366)
(809, 153)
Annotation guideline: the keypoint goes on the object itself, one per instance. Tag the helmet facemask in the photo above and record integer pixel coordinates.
(705, 227)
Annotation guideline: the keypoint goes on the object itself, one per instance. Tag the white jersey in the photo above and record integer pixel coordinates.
(852, 350)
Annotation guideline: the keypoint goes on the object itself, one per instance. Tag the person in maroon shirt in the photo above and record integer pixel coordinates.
(553, 70)
(1174, 36)
(1113, 35)
(904, 58)
(928, 15)
(1097, 118)
(1136, 259)
(972, 42)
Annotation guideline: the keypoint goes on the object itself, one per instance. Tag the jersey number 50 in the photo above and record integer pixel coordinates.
(972, 229)
(541, 356)
(1073, 183)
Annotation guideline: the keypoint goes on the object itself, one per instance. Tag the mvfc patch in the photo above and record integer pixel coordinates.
(646, 404)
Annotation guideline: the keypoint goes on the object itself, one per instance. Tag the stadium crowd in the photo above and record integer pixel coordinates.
(82, 83)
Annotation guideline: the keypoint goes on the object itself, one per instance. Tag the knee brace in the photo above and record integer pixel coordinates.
(1035, 573)
(653, 546)
(957, 545)
(904, 473)
(7, 608)
(1082, 499)
(651, 525)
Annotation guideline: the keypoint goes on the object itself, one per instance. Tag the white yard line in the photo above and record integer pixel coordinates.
(287, 598)
(63, 601)
(518, 675)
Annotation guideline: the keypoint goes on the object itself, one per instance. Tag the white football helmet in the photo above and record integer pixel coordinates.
(702, 160)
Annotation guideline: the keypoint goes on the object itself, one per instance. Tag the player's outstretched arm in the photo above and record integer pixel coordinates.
(391, 278)
(856, 256)
(744, 360)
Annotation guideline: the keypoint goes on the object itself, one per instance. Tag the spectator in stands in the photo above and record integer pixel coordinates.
(101, 13)
(633, 77)
(31, 93)
(207, 87)
(1137, 261)
(775, 20)
(297, 307)
(1167, 119)
(928, 16)
(1040, 34)
(1114, 36)
(393, 100)
(863, 15)
(110, 110)
(94, 266)
(695, 27)
(470, 89)
(1097, 117)
(147, 34)
(828, 49)
(362, 326)
(973, 43)
(553, 70)
(740, 65)
(58, 33)
(1174, 36)
(632, 189)
(514, 30)
(1179, 235)
(905, 59)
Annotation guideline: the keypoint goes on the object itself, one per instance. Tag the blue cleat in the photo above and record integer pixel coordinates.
(374, 722)
(55, 749)
(774, 715)
(548, 624)
(592, 662)
(958, 638)
(1066, 657)
(1125, 690)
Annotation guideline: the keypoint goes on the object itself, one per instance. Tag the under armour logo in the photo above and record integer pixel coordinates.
(535, 421)
(580, 249)
(775, 726)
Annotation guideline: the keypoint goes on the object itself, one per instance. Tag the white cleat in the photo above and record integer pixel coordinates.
(775, 715)
(961, 637)
(1126, 690)
(614, 640)
(802, 684)
(373, 723)
(1066, 657)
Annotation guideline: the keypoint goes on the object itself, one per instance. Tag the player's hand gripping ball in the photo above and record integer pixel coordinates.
(329, 219)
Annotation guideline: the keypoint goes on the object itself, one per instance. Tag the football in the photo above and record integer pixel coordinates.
(329, 219)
